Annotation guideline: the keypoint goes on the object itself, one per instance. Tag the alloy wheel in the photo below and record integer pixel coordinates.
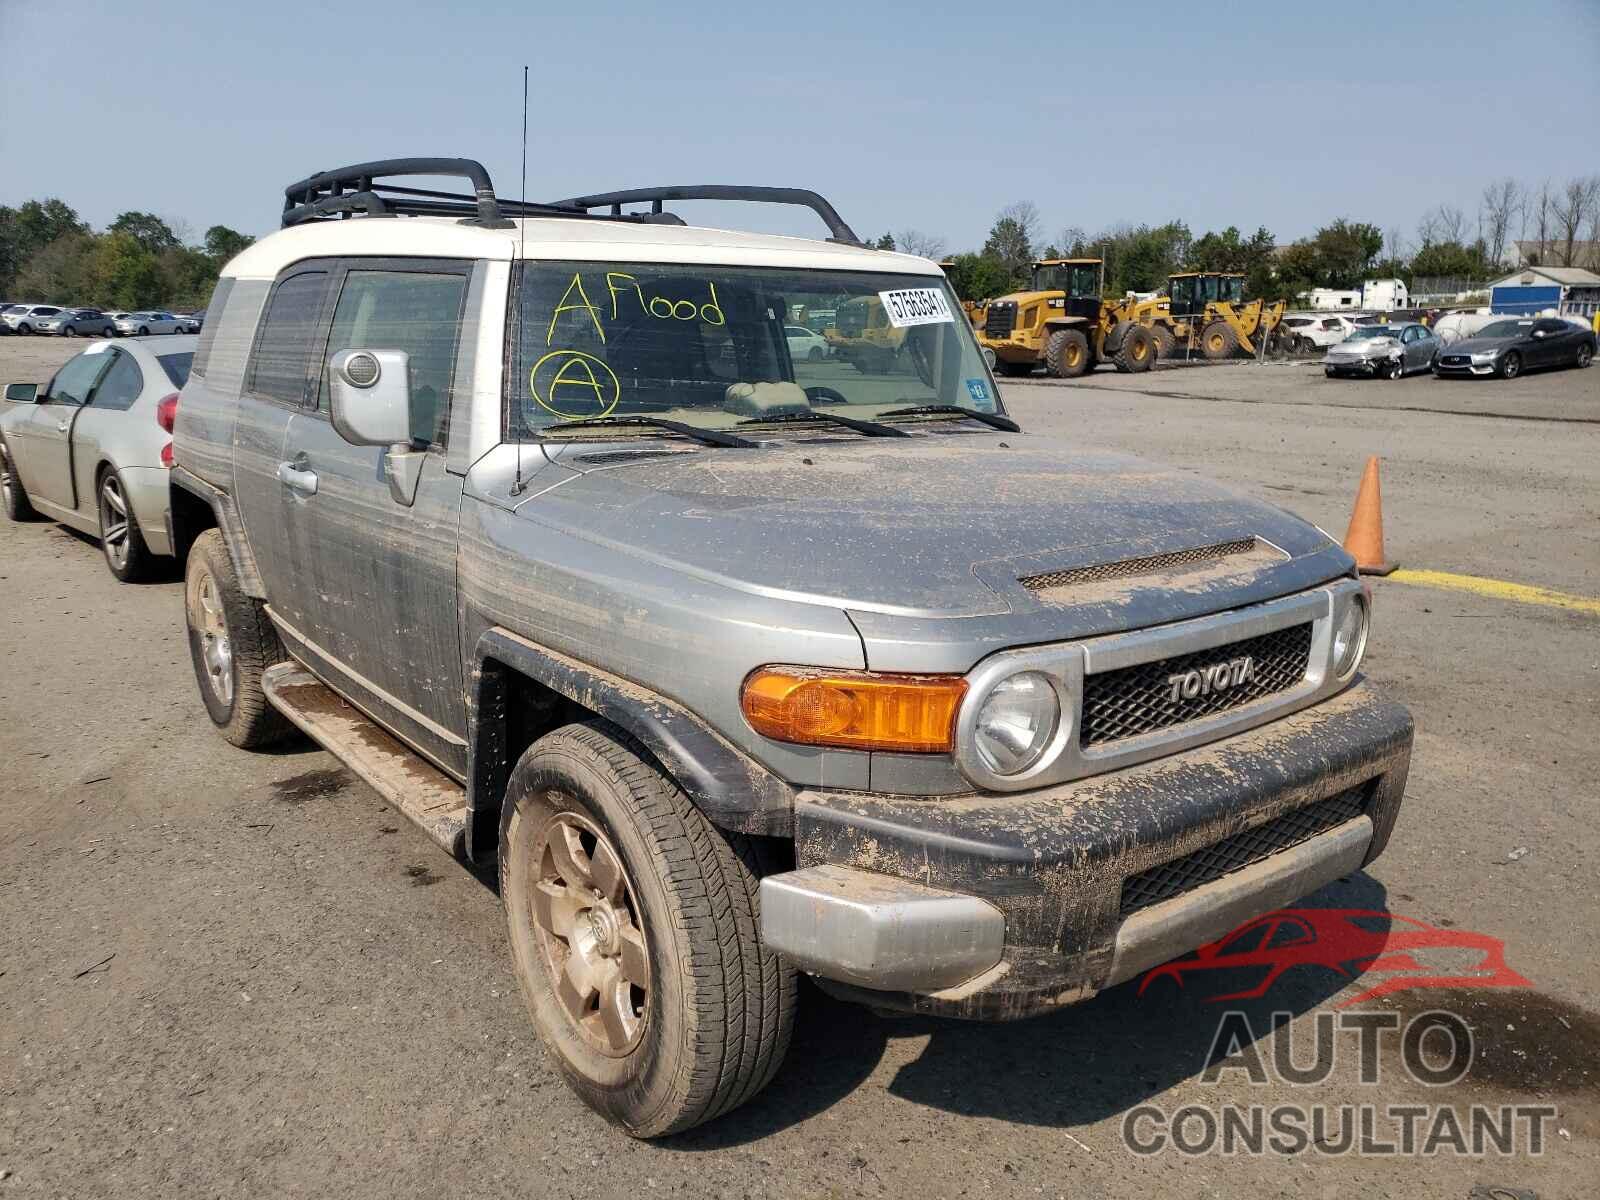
(591, 931)
(210, 623)
(6, 483)
(114, 521)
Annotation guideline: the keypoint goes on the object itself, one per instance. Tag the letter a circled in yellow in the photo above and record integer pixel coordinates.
(575, 371)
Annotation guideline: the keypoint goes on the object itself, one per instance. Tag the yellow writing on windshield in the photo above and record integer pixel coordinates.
(620, 283)
(587, 306)
(575, 384)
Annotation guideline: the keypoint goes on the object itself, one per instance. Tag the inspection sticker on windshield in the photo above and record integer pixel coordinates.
(915, 306)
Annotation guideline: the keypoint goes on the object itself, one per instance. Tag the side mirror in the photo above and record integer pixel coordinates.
(22, 393)
(371, 403)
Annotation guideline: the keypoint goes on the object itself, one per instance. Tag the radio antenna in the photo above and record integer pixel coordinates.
(517, 485)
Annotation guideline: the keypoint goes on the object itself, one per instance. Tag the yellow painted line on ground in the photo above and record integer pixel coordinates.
(1499, 589)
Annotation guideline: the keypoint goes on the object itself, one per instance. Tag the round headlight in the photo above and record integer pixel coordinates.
(1350, 637)
(1017, 722)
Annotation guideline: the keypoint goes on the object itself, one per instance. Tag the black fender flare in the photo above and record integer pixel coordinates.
(226, 516)
(732, 789)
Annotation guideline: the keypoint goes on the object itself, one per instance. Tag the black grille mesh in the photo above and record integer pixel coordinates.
(1241, 850)
(1136, 700)
(1138, 566)
(1000, 320)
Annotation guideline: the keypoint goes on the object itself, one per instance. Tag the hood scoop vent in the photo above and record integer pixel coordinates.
(609, 458)
(1077, 584)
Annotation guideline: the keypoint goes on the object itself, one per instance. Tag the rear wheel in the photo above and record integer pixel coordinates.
(127, 555)
(1066, 354)
(1218, 341)
(1511, 365)
(1136, 351)
(633, 925)
(1166, 344)
(16, 498)
(231, 641)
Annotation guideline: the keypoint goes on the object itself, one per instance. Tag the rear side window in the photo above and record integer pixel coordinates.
(415, 311)
(283, 347)
(208, 331)
(177, 367)
(121, 385)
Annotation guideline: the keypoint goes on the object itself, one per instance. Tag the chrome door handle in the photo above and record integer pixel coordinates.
(301, 481)
(61, 428)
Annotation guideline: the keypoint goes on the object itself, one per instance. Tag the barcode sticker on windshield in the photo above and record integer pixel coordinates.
(915, 306)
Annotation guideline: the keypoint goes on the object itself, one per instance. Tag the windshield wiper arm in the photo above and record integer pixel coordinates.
(869, 428)
(711, 437)
(955, 410)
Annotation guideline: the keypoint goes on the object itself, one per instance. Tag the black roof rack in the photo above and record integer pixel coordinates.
(361, 188)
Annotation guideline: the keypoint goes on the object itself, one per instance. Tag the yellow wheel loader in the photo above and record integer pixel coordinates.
(1207, 309)
(1062, 322)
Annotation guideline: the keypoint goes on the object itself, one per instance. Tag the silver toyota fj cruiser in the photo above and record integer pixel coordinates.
(700, 581)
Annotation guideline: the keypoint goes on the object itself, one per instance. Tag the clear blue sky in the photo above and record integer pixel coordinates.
(927, 116)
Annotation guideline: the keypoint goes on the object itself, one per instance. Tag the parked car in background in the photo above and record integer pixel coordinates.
(1316, 331)
(192, 322)
(78, 322)
(145, 323)
(92, 447)
(25, 318)
(803, 343)
(1383, 351)
(1509, 347)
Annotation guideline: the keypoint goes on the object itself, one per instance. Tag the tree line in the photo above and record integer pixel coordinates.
(49, 254)
(1562, 222)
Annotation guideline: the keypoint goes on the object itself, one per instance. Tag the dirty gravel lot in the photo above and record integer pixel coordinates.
(225, 974)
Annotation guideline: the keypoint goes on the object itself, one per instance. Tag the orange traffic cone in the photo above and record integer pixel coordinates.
(1364, 538)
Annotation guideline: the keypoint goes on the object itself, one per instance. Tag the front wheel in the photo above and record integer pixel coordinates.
(69, 331)
(1511, 366)
(127, 555)
(1391, 369)
(1136, 351)
(1218, 341)
(633, 925)
(1585, 357)
(144, 331)
(16, 497)
(232, 642)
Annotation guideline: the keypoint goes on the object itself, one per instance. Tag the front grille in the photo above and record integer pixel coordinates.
(1138, 566)
(1241, 850)
(1138, 699)
(1000, 320)
(1455, 360)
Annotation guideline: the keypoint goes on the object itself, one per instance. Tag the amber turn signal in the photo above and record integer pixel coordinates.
(861, 710)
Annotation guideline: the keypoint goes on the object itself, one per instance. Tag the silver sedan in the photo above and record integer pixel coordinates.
(92, 447)
(1383, 351)
(145, 323)
(79, 322)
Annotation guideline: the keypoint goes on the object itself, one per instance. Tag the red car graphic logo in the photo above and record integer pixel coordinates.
(1349, 942)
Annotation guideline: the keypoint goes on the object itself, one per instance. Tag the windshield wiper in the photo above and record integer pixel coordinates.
(870, 428)
(711, 437)
(955, 410)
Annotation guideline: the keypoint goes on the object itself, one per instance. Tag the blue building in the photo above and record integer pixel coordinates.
(1570, 291)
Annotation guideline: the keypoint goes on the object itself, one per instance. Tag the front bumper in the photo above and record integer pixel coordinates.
(1353, 366)
(1469, 368)
(997, 907)
(1013, 349)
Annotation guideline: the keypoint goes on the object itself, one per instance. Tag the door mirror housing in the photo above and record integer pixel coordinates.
(23, 393)
(371, 401)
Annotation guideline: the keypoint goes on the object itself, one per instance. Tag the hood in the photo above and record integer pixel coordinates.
(1480, 345)
(943, 524)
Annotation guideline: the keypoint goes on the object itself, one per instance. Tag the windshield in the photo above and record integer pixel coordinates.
(1075, 279)
(1370, 331)
(1502, 329)
(709, 345)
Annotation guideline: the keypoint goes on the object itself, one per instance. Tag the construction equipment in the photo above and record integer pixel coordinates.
(976, 310)
(863, 336)
(1208, 309)
(1063, 322)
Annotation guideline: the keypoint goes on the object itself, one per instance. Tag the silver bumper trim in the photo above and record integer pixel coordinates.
(1163, 931)
(877, 931)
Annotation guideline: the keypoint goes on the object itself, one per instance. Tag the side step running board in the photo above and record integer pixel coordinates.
(418, 789)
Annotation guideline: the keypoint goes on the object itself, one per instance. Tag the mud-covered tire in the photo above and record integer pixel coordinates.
(239, 710)
(713, 1023)
(1166, 344)
(1218, 341)
(1016, 370)
(17, 505)
(1066, 354)
(1136, 350)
